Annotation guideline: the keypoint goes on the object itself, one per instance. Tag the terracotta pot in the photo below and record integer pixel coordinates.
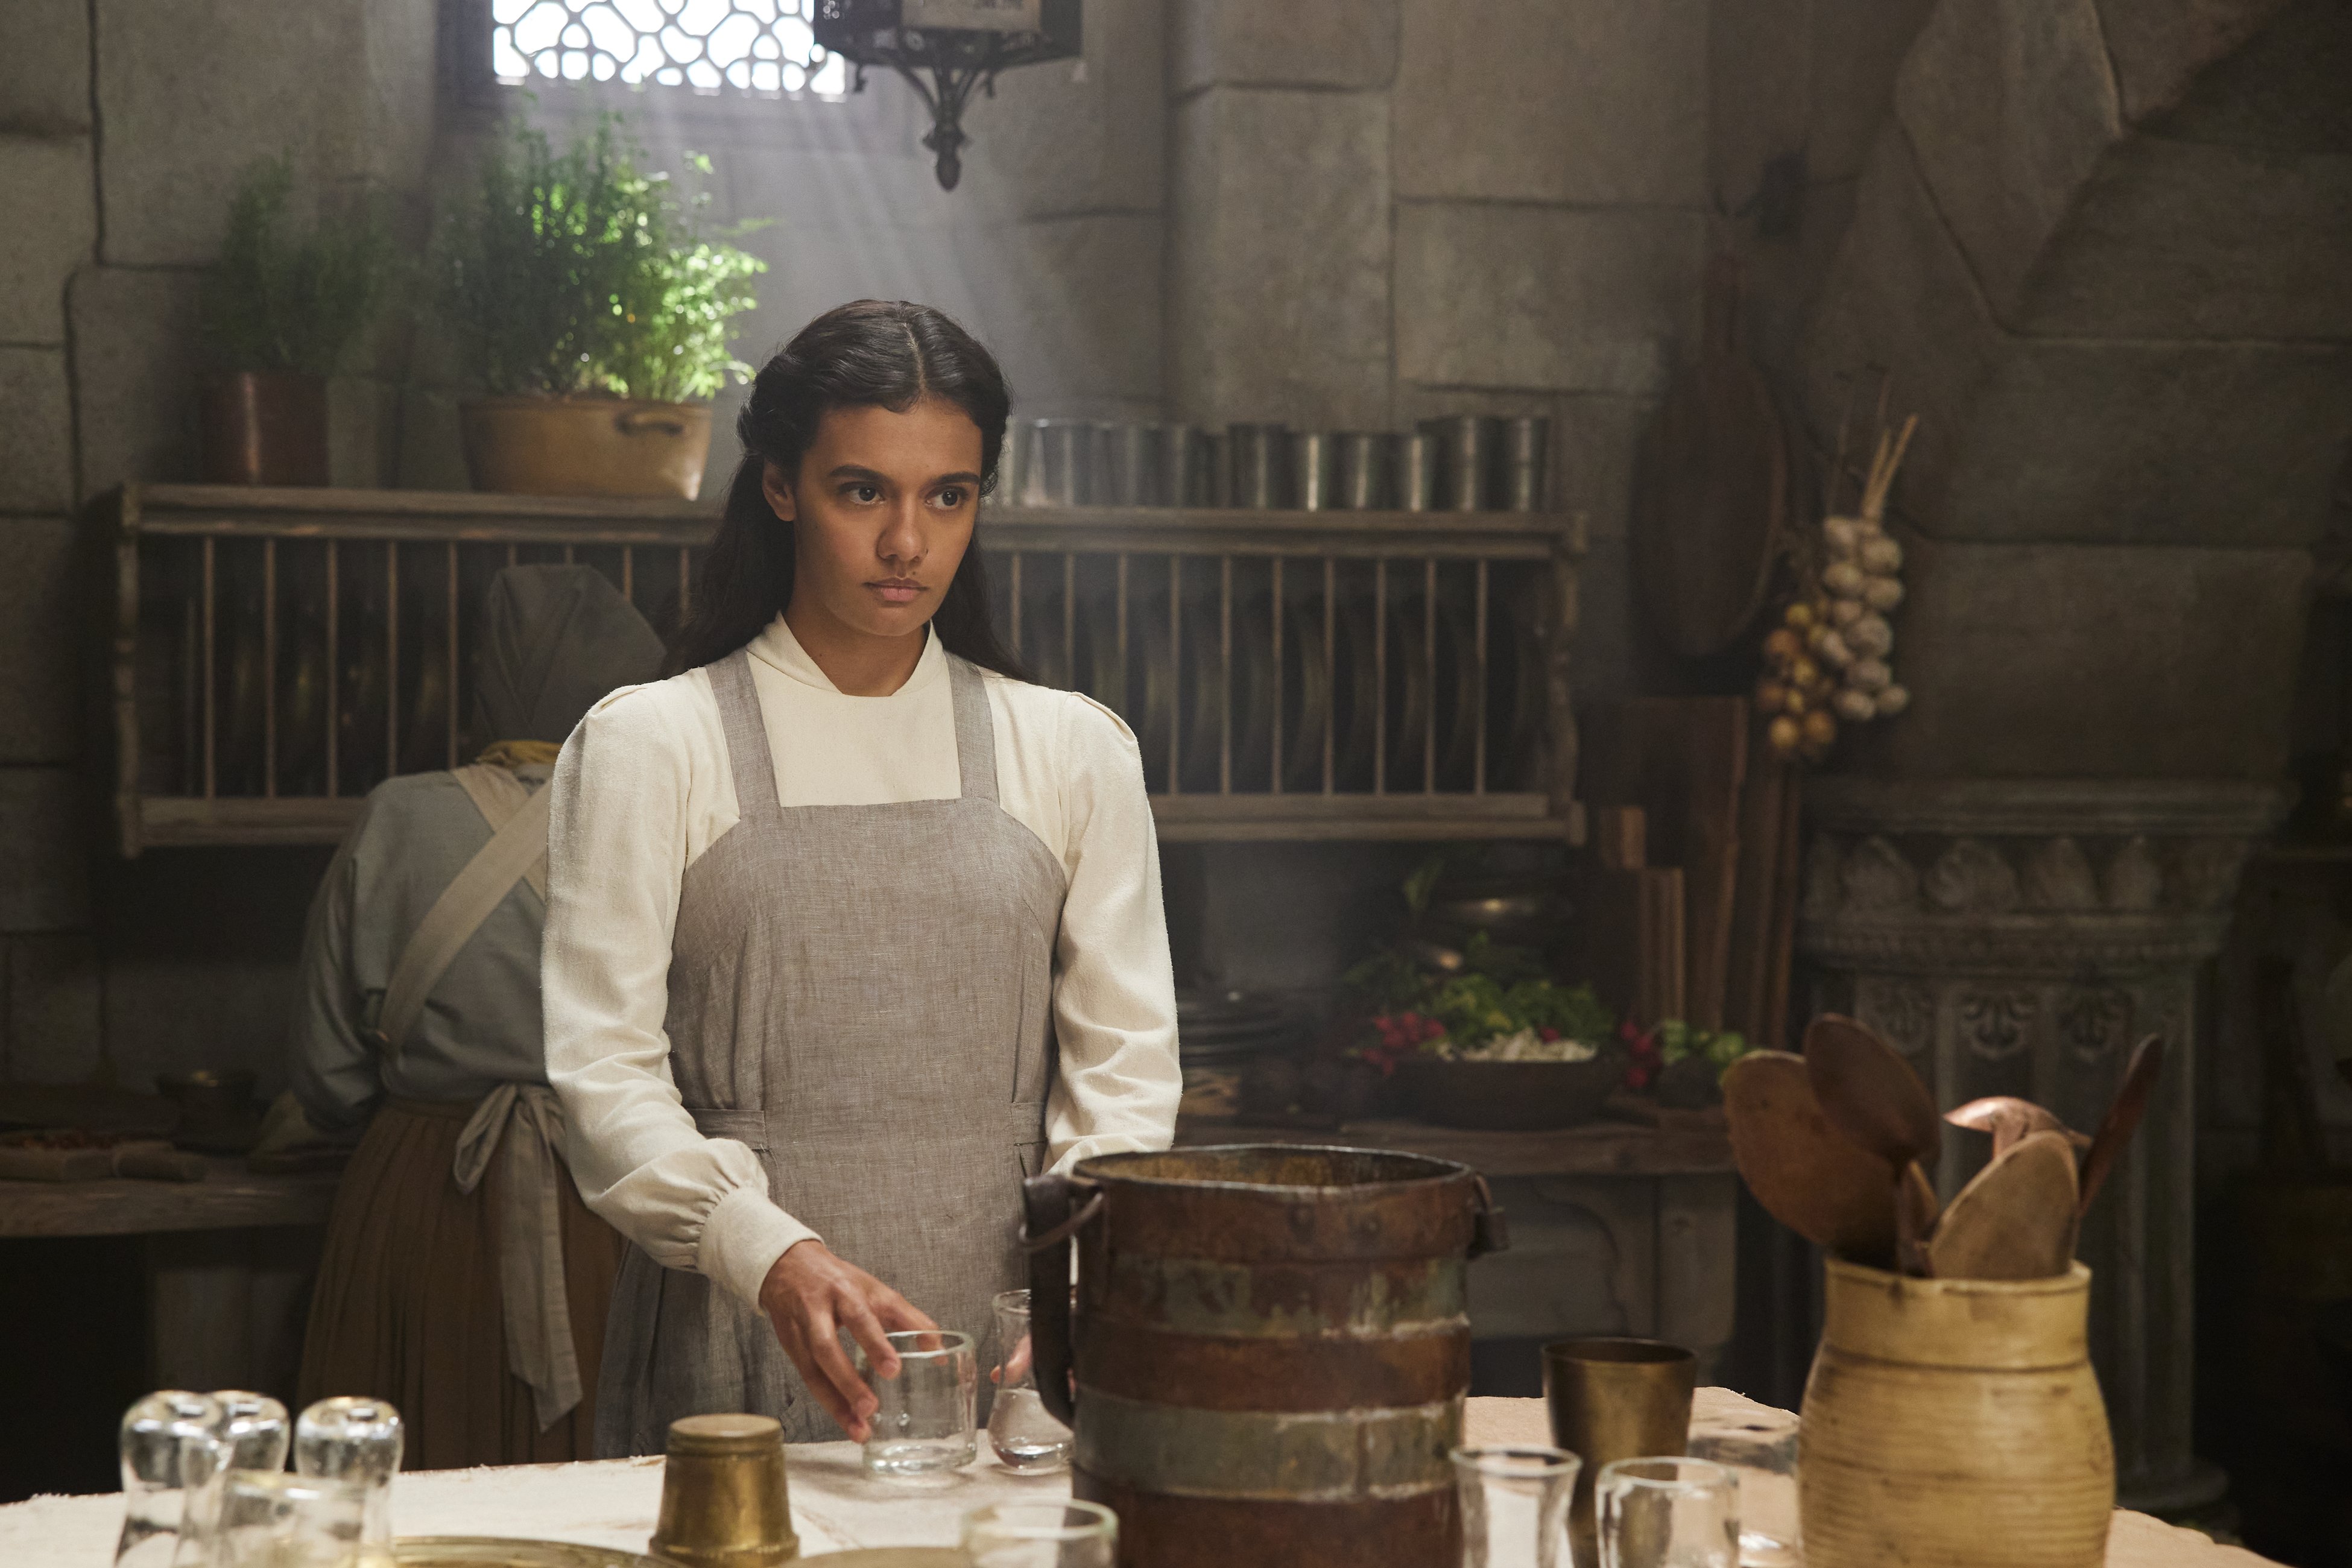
(264, 428)
(586, 445)
(1955, 1424)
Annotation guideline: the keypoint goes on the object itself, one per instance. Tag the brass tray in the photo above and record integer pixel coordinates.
(492, 1552)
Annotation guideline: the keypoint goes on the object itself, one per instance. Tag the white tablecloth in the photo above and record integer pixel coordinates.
(836, 1507)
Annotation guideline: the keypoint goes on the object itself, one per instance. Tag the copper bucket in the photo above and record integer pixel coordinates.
(264, 428)
(1270, 1345)
(586, 446)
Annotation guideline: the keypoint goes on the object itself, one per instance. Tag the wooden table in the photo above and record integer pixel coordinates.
(835, 1506)
(1616, 1227)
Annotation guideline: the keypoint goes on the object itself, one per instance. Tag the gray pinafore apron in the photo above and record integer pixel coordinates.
(860, 994)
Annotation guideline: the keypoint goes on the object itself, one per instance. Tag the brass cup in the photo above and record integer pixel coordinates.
(724, 1503)
(1612, 1399)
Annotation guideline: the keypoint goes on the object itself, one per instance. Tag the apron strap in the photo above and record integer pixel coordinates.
(498, 794)
(518, 846)
(976, 731)
(746, 732)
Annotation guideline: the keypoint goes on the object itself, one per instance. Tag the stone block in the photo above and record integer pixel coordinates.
(2152, 443)
(42, 640)
(45, 69)
(1071, 306)
(2281, 91)
(192, 92)
(1554, 100)
(2085, 661)
(35, 431)
(136, 373)
(1278, 266)
(2010, 104)
(2182, 239)
(53, 223)
(56, 998)
(1066, 141)
(1299, 43)
(1899, 300)
(44, 874)
(1543, 297)
(1856, 46)
(2159, 46)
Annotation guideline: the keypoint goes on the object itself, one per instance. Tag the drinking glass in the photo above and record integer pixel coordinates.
(927, 1422)
(1668, 1513)
(256, 1429)
(1761, 1451)
(1023, 1431)
(269, 1518)
(1041, 1535)
(172, 1461)
(356, 1440)
(1514, 1505)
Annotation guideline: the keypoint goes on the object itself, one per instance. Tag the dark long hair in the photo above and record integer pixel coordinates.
(869, 354)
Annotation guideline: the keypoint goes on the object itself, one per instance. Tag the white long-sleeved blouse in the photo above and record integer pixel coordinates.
(643, 789)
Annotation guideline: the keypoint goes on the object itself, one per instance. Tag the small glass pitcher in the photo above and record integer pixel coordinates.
(1025, 1435)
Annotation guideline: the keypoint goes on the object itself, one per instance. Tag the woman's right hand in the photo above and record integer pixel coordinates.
(809, 1296)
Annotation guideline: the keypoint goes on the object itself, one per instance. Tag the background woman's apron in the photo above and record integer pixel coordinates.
(860, 994)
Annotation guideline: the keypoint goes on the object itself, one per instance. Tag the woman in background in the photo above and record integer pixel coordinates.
(462, 1279)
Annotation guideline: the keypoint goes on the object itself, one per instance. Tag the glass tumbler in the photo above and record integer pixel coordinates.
(1041, 1535)
(1023, 1431)
(1514, 1504)
(256, 1429)
(1667, 1513)
(172, 1461)
(355, 1440)
(269, 1518)
(1762, 1452)
(927, 1419)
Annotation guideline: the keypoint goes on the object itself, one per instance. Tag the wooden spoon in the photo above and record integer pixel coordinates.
(2016, 1221)
(1808, 1178)
(2123, 1117)
(1873, 1099)
(2009, 1118)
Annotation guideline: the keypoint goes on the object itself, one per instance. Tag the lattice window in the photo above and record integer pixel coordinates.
(761, 47)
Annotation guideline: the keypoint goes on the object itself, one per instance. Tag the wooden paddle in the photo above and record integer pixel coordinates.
(1805, 1174)
(2123, 1117)
(1873, 1099)
(2009, 1118)
(2016, 1221)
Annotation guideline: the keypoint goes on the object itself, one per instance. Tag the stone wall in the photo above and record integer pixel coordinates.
(122, 126)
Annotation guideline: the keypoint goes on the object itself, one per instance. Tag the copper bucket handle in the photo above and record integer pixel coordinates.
(1049, 1224)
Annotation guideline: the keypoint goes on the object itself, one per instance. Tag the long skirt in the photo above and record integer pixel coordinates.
(408, 1306)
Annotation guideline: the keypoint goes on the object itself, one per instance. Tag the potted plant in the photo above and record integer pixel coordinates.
(280, 311)
(594, 317)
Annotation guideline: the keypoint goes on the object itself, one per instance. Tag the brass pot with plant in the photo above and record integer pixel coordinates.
(595, 317)
(281, 311)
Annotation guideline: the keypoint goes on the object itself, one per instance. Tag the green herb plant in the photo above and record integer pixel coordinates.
(573, 271)
(285, 298)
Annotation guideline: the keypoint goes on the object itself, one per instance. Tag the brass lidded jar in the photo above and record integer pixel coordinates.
(724, 1502)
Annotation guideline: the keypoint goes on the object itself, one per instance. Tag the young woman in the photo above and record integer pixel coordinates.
(849, 927)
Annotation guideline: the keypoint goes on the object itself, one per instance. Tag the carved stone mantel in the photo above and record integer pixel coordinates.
(2016, 937)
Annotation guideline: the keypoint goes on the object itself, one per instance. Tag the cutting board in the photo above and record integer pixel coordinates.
(1711, 488)
(1684, 760)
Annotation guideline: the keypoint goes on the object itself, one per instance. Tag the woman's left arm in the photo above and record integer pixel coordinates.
(1114, 990)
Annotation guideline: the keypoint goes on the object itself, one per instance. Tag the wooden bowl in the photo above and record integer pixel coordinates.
(1507, 1097)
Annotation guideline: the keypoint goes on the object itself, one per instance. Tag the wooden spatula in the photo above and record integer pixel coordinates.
(2016, 1221)
(1805, 1174)
(2123, 1117)
(1873, 1099)
(2009, 1118)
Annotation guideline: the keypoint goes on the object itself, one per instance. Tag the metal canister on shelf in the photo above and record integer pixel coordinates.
(1012, 463)
(1181, 467)
(1416, 470)
(1257, 458)
(1527, 449)
(1063, 454)
(1363, 483)
(1314, 470)
(1467, 443)
(1099, 485)
(1217, 469)
(1133, 470)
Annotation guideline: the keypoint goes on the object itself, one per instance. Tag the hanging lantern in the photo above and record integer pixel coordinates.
(961, 44)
